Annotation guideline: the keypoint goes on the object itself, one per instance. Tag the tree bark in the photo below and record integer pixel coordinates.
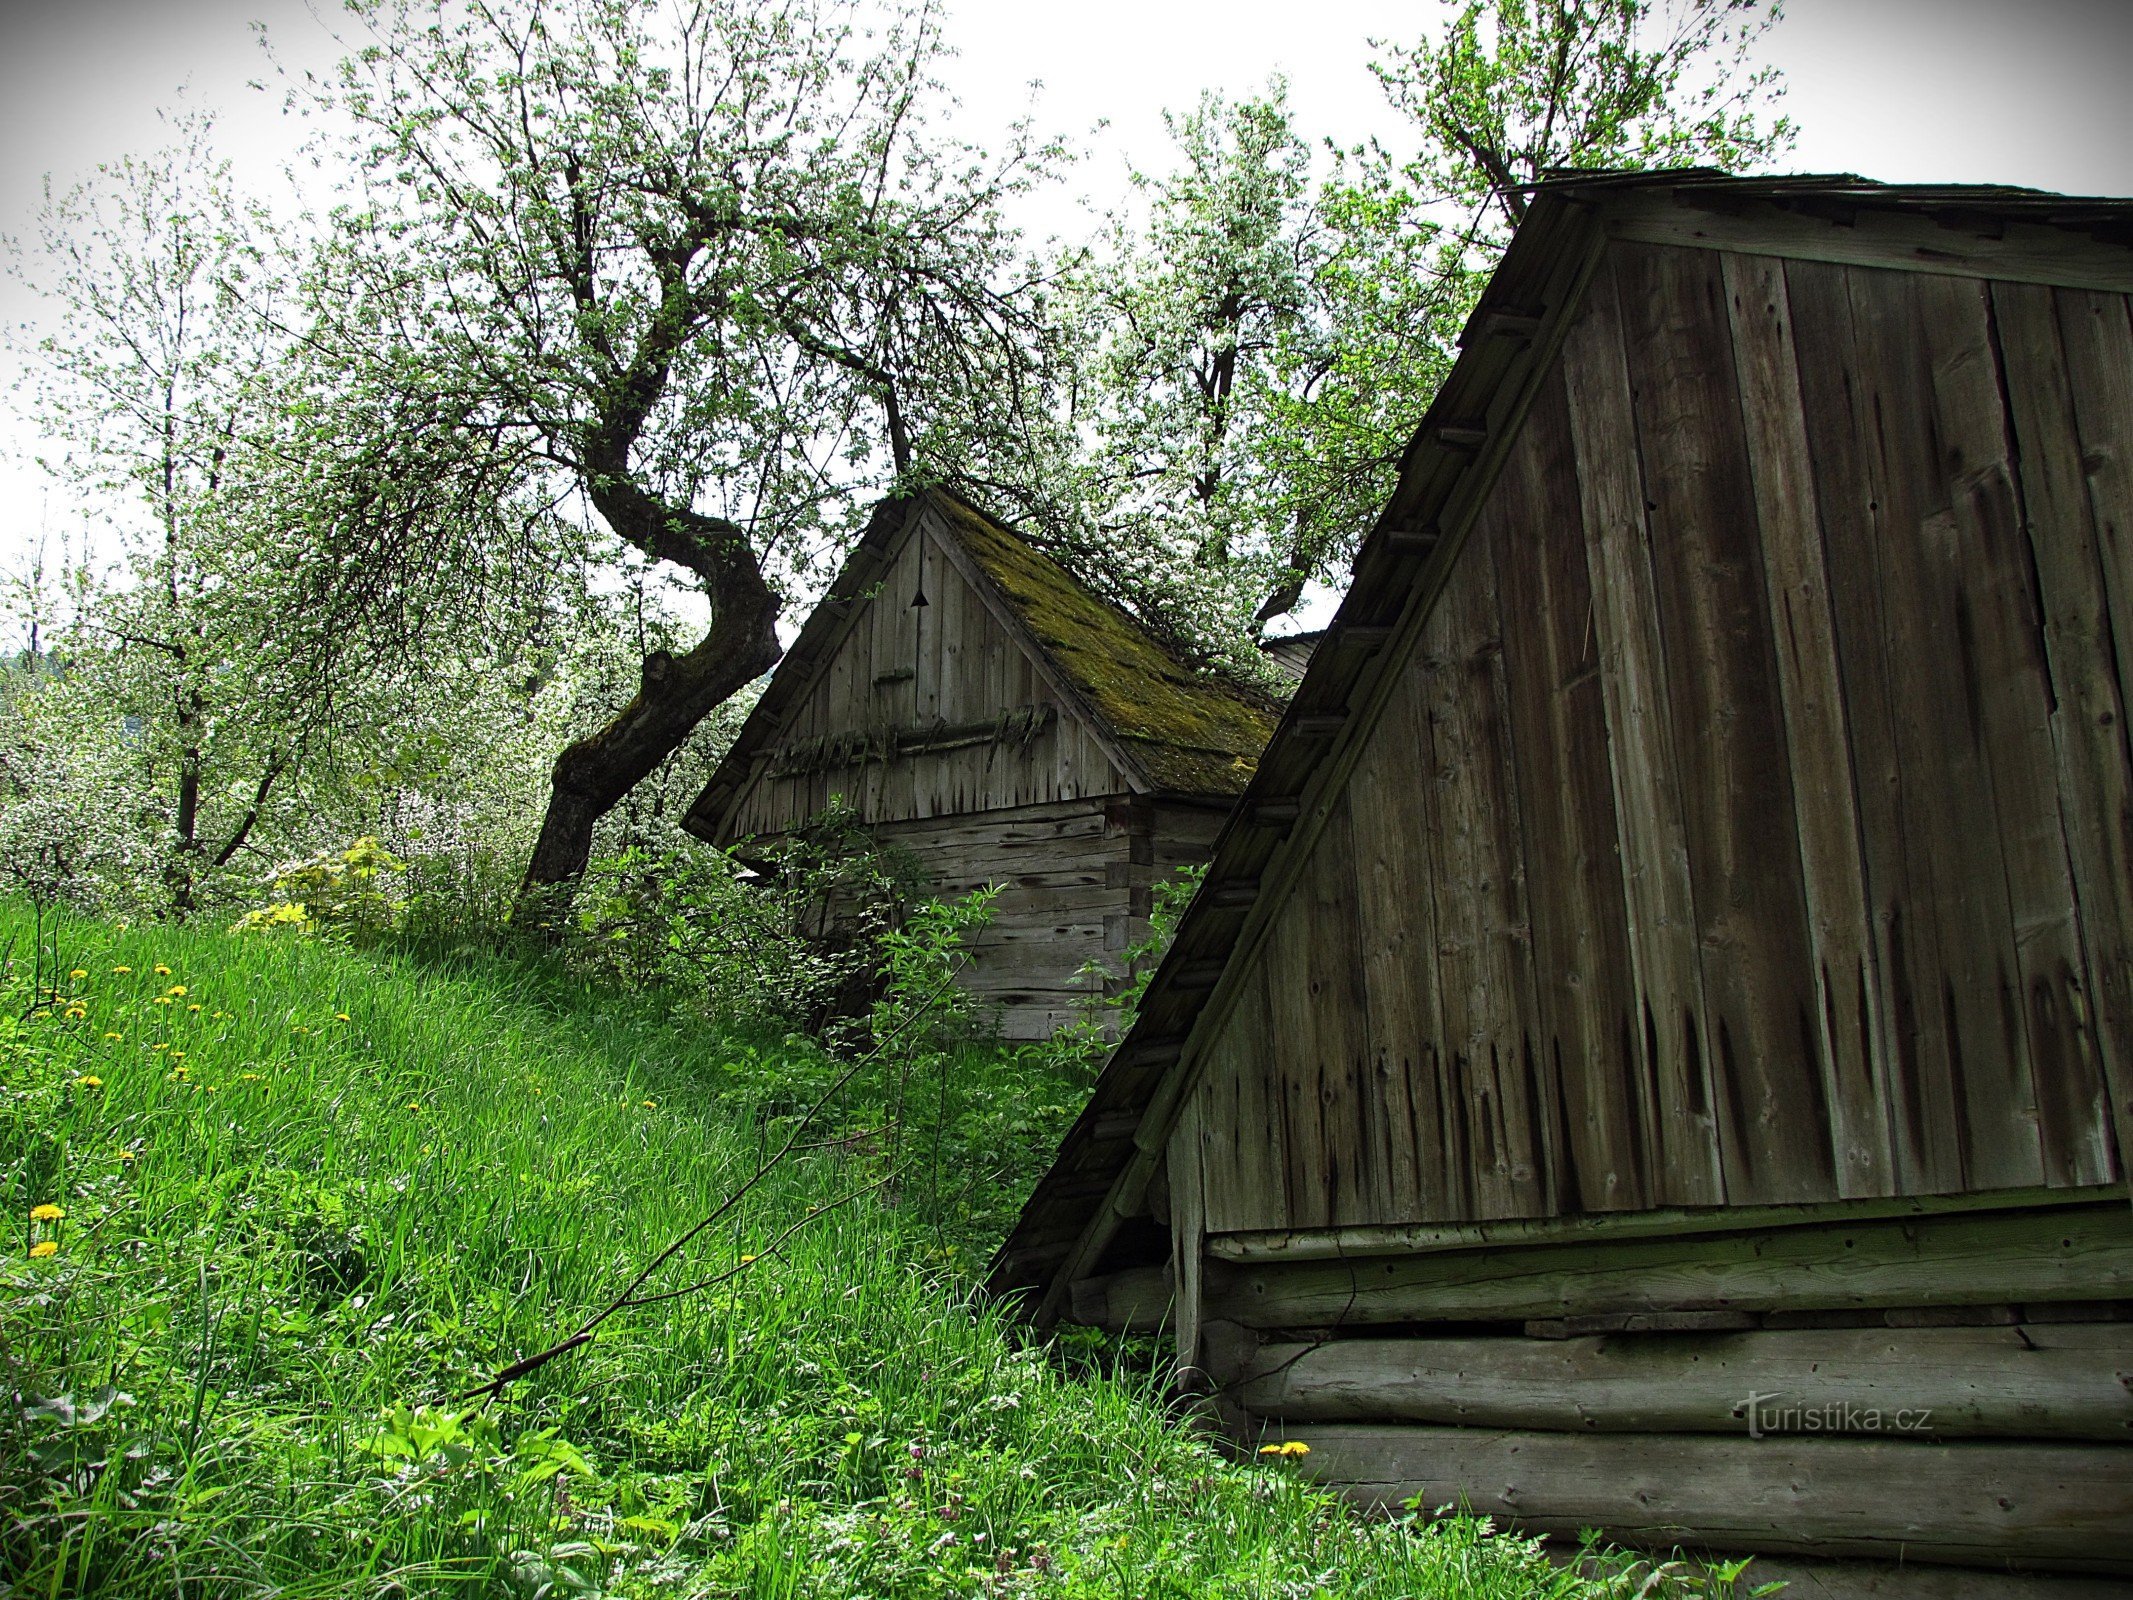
(674, 693)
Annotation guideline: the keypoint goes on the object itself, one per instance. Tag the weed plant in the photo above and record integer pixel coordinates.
(269, 1203)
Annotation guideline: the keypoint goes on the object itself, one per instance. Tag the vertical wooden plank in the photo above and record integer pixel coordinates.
(1299, 1075)
(1188, 1232)
(1247, 1164)
(1818, 740)
(2007, 690)
(1673, 1052)
(1483, 979)
(1843, 403)
(1392, 817)
(1736, 790)
(2096, 335)
(1584, 994)
(1334, 976)
(1959, 1007)
(2068, 994)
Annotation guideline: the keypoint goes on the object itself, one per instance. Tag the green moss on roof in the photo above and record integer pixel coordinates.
(1192, 734)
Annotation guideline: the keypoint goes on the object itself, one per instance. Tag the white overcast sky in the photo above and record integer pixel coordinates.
(1901, 90)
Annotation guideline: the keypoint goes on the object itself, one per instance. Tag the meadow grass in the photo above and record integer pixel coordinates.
(309, 1193)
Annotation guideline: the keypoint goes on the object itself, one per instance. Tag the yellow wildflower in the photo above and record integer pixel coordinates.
(120, 972)
(177, 989)
(746, 1259)
(76, 1013)
(114, 1038)
(211, 1088)
(159, 1049)
(162, 1000)
(180, 1073)
(194, 1007)
(90, 1080)
(39, 1251)
(46, 1213)
(177, 1055)
(340, 1016)
(249, 1077)
(412, 1106)
(128, 1156)
(651, 1105)
(1296, 1447)
(79, 973)
(162, 971)
(1270, 1449)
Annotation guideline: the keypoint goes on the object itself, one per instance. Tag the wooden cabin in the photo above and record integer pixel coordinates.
(982, 711)
(1654, 1047)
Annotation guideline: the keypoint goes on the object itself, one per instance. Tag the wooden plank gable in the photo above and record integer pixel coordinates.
(920, 710)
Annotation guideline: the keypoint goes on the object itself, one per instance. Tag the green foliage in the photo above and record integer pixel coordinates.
(335, 891)
(299, 1218)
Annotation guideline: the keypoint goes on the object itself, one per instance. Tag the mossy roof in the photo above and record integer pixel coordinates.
(1190, 732)
(1177, 730)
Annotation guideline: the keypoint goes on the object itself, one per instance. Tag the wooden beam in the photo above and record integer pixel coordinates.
(2072, 1253)
(1664, 1222)
(2063, 1507)
(2022, 253)
(2058, 1381)
(1807, 1579)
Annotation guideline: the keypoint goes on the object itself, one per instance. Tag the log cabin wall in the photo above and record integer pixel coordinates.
(1751, 825)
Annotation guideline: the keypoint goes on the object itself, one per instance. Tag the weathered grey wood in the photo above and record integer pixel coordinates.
(2096, 333)
(1818, 742)
(1738, 806)
(2017, 252)
(1673, 1050)
(2057, 1506)
(1582, 1022)
(2064, 1381)
(2007, 684)
(1188, 1215)
(2073, 1253)
(2077, 1001)
(1668, 1222)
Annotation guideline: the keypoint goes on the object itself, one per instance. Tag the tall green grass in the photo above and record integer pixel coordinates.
(309, 1194)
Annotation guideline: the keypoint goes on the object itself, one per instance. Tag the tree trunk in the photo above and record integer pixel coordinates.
(674, 693)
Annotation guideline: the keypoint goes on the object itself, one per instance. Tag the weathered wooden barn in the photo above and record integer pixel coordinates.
(982, 711)
(1654, 1048)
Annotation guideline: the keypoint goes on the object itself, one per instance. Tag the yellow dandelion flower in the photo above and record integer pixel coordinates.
(160, 1048)
(340, 1016)
(1270, 1449)
(211, 1088)
(746, 1259)
(90, 1080)
(79, 973)
(1296, 1447)
(249, 1077)
(39, 1251)
(181, 1073)
(128, 1157)
(178, 989)
(162, 971)
(193, 1007)
(46, 1213)
(651, 1105)
(177, 1055)
(114, 1038)
(76, 1013)
(162, 1000)
(412, 1106)
(120, 972)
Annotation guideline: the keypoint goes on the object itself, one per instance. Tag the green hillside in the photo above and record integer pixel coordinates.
(309, 1193)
